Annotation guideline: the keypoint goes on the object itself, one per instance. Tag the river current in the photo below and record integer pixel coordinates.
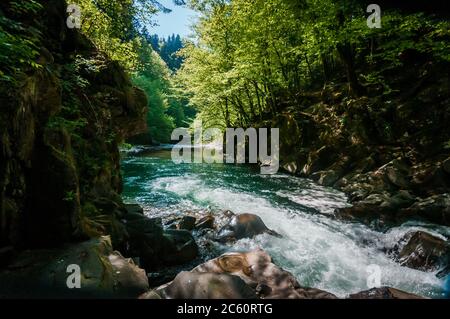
(320, 251)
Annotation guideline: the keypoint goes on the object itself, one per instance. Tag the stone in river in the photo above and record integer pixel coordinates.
(243, 226)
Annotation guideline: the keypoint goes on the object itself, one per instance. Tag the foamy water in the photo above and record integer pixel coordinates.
(320, 251)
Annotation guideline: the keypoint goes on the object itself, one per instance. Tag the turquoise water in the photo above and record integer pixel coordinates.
(320, 251)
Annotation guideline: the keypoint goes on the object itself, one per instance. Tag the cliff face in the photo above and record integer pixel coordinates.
(60, 125)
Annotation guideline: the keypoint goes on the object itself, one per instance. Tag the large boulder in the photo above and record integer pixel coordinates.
(155, 246)
(258, 271)
(195, 285)
(254, 269)
(49, 273)
(243, 226)
(424, 252)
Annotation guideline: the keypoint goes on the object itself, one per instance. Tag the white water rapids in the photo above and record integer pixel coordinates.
(320, 251)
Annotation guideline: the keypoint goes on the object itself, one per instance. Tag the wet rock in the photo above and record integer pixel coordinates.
(194, 285)
(237, 275)
(375, 209)
(384, 293)
(181, 223)
(206, 222)
(187, 223)
(179, 247)
(424, 252)
(258, 271)
(129, 278)
(435, 209)
(139, 224)
(243, 226)
(45, 273)
(158, 247)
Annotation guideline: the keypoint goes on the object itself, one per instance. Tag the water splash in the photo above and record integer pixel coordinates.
(320, 251)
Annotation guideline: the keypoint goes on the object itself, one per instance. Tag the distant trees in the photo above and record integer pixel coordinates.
(121, 30)
(168, 49)
(167, 107)
(119, 27)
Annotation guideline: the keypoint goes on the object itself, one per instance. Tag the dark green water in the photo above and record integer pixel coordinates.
(321, 252)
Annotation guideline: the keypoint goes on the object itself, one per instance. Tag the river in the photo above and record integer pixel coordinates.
(320, 251)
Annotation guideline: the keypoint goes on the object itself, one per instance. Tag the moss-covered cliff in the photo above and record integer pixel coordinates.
(63, 113)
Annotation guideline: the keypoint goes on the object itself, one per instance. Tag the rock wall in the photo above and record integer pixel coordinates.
(60, 126)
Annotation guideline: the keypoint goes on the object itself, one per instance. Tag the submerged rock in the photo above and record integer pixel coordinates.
(243, 226)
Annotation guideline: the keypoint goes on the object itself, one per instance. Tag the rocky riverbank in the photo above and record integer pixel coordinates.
(389, 154)
(105, 273)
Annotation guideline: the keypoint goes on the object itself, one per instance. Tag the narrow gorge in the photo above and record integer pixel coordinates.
(92, 205)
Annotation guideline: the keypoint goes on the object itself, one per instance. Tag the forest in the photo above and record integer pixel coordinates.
(90, 95)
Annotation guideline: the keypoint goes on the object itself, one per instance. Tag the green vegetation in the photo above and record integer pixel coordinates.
(166, 107)
(18, 50)
(255, 58)
(120, 29)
